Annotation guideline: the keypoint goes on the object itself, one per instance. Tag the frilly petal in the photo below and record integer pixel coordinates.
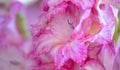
(114, 3)
(75, 51)
(108, 22)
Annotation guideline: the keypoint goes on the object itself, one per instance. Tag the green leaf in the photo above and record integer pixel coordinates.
(117, 31)
(22, 26)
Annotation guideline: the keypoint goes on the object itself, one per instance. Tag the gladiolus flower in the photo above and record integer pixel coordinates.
(63, 35)
(67, 28)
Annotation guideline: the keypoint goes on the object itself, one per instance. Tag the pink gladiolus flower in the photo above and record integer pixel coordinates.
(57, 33)
(67, 29)
(64, 35)
(14, 45)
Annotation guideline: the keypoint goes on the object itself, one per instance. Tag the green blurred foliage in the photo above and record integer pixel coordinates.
(22, 26)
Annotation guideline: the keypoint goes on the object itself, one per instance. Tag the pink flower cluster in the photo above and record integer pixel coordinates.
(69, 35)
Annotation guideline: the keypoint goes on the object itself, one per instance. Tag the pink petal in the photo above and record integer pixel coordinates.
(85, 4)
(107, 52)
(59, 27)
(93, 50)
(93, 65)
(8, 27)
(33, 8)
(69, 65)
(115, 3)
(15, 8)
(74, 50)
(11, 58)
(43, 62)
(116, 63)
(108, 16)
(93, 24)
